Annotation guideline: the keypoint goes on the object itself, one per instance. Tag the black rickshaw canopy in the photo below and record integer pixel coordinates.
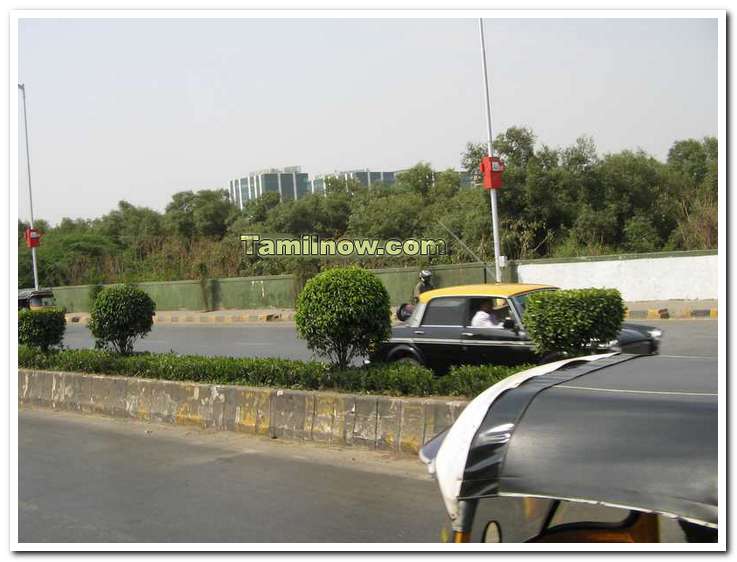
(635, 432)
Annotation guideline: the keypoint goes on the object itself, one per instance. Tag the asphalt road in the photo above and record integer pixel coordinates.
(93, 479)
(681, 337)
(90, 479)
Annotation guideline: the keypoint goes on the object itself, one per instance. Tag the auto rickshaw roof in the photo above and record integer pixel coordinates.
(625, 431)
(483, 290)
(28, 293)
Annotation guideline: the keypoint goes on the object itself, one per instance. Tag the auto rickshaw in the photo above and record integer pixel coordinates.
(604, 448)
(35, 298)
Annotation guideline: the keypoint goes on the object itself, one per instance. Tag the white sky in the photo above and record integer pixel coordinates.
(141, 109)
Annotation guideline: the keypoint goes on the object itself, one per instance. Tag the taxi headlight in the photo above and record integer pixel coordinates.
(655, 333)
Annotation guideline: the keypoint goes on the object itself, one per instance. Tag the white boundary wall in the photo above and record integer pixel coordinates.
(641, 279)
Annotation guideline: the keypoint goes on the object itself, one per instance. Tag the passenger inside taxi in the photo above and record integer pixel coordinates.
(487, 316)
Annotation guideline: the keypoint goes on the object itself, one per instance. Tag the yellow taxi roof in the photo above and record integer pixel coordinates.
(484, 290)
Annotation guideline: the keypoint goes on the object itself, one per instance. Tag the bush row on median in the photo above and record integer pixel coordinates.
(392, 379)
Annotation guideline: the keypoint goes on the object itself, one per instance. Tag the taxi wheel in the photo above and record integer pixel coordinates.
(409, 361)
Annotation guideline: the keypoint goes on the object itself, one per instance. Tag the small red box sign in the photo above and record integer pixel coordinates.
(32, 237)
(492, 169)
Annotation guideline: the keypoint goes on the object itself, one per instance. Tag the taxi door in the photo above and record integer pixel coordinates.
(438, 336)
(499, 345)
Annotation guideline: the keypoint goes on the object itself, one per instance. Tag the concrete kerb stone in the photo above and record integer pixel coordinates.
(399, 425)
(363, 422)
(388, 423)
(412, 426)
(333, 415)
(666, 314)
(291, 414)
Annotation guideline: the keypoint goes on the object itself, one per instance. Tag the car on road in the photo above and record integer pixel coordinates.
(438, 332)
(605, 448)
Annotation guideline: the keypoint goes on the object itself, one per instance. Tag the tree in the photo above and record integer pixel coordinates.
(257, 210)
(640, 235)
(204, 213)
(137, 229)
(67, 258)
(689, 157)
(396, 215)
(446, 186)
(471, 159)
(180, 214)
(516, 146)
(346, 185)
(211, 212)
(419, 179)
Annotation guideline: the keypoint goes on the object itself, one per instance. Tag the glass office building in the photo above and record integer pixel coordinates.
(366, 178)
(290, 183)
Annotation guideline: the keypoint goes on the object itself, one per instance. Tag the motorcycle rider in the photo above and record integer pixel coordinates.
(424, 284)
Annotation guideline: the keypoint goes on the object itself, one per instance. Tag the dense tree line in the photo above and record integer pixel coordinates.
(555, 203)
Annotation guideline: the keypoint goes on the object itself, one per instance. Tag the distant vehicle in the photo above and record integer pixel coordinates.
(604, 448)
(32, 298)
(437, 332)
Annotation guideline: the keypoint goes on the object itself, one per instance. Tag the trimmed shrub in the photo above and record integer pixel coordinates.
(42, 328)
(573, 321)
(343, 313)
(119, 316)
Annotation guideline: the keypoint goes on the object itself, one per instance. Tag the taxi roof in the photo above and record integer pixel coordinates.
(484, 289)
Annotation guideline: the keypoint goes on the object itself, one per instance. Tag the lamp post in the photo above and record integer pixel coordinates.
(22, 88)
(492, 192)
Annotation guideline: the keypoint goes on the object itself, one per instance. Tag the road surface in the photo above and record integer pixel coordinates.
(91, 479)
(682, 337)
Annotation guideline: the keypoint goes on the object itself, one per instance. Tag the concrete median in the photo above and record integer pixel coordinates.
(399, 425)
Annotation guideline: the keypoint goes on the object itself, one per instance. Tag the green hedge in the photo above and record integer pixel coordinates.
(569, 321)
(395, 379)
(42, 327)
(466, 380)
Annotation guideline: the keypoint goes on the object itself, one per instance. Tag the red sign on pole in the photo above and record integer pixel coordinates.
(492, 169)
(32, 237)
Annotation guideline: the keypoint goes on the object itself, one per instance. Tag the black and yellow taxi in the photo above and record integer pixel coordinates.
(440, 330)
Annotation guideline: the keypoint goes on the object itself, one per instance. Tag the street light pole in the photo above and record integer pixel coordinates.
(30, 193)
(492, 192)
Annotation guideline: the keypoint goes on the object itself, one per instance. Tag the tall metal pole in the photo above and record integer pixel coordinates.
(492, 192)
(30, 193)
